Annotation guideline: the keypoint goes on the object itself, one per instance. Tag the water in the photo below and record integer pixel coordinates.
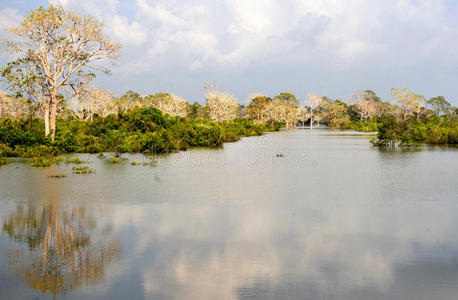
(289, 215)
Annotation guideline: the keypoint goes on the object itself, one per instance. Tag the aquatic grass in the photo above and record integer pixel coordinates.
(148, 162)
(101, 155)
(75, 160)
(44, 161)
(41, 161)
(280, 155)
(115, 160)
(57, 175)
(83, 170)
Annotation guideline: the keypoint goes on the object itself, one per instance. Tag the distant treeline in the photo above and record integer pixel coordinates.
(99, 122)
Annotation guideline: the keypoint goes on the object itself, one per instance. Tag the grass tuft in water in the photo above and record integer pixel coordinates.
(75, 160)
(58, 175)
(83, 170)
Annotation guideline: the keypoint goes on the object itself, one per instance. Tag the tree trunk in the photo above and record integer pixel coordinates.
(46, 119)
(53, 119)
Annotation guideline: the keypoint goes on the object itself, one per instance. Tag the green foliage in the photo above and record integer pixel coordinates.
(364, 126)
(41, 161)
(83, 170)
(58, 175)
(74, 160)
(5, 150)
(340, 122)
(35, 151)
(4, 160)
(287, 98)
(115, 160)
(435, 130)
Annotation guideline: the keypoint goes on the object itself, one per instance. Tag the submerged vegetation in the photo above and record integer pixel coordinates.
(83, 170)
(75, 160)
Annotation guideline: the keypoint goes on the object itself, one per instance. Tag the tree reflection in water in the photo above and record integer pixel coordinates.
(60, 254)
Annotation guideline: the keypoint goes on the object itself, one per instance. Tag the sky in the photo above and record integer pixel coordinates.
(328, 47)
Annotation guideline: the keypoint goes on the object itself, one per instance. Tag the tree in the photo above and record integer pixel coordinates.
(169, 104)
(256, 110)
(284, 108)
(336, 113)
(409, 102)
(365, 104)
(314, 101)
(196, 111)
(93, 101)
(220, 104)
(129, 101)
(59, 51)
(5, 104)
(440, 106)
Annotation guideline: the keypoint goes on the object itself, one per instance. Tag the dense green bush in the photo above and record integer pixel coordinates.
(142, 130)
(364, 126)
(434, 130)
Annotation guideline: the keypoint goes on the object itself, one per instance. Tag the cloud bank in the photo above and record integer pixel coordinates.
(329, 47)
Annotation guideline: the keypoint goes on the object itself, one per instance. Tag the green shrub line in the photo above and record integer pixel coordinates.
(145, 130)
(149, 131)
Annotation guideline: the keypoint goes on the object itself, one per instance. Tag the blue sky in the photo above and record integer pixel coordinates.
(329, 47)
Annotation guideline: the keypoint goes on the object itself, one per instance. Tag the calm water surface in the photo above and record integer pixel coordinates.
(289, 215)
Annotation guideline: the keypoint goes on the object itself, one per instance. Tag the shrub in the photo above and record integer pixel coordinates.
(4, 160)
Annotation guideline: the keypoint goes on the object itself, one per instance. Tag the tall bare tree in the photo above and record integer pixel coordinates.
(314, 101)
(409, 102)
(220, 104)
(93, 101)
(168, 104)
(59, 51)
(365, 104)
(5, 104)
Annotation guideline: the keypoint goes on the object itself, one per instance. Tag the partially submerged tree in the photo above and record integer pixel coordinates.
(314, 101)
(58, 53)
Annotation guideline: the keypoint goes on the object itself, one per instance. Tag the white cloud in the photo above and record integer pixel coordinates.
(8, 17)
(189, 37)
(231, 33)
(130, 34)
